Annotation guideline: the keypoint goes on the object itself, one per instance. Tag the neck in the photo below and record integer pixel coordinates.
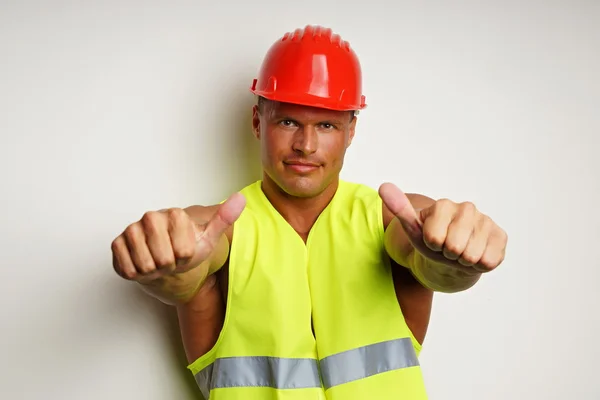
(300, 212)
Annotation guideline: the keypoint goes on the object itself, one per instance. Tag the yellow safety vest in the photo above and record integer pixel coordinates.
(339, 283)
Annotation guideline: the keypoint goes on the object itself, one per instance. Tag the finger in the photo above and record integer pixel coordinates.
(138, 249)
(158, 241)
(399, 204)
(477, 243)
(182, 236)
(436, 221)
(226, 215)
(459, 231)
(152, 276)
(492, 256)
(122, 262)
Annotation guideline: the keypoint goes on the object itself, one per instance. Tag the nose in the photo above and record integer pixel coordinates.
(306, 140)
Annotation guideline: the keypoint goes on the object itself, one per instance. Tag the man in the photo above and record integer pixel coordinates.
(303, 286)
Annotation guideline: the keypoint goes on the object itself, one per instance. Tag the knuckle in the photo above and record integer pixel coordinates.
(132, 232)
(469, 259)
(144, 263)
(176, 214)
(499, 260)
(486, 223)
(128, 274)
(185, 251)
(150, 277)
(151, 219)
(117, 244)
(146, 266)
(489, 262)
(468, 207)
(433, 238)
(502, 258)
(453, 248)
(503, 235)
(163, 261)
(443, 204)
(179, 222)
(486, 267)
(450, 256)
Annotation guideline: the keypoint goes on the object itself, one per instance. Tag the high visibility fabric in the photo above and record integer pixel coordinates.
(354, 302)
(338, 283)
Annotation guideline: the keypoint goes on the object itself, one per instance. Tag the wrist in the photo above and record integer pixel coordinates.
(441, 277)
(178, 287)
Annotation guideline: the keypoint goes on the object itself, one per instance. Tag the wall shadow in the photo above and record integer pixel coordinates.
(239, 146)
(240, 152)
(165, 320)
(168, 323)
(99, 308)
(128, 303)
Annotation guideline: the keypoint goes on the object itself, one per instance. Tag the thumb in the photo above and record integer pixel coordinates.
(209, 235)
(399, 204)
(227, 213)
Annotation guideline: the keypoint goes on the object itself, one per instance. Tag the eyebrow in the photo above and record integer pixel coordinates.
(278, 115)
(332, 121)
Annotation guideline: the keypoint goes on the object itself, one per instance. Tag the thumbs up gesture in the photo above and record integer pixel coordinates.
(170, 241)
(454, 234)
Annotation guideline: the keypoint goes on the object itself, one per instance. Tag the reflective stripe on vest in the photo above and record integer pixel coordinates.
(278, 373)
(299, 373)
(366, 361)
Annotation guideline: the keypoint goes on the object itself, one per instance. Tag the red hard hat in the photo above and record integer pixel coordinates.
(312, 67)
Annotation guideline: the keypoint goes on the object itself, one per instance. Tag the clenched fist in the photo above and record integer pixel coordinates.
(169, 241)
(453, 234)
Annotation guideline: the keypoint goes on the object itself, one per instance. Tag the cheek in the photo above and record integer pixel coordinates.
(334, 147)
(272, 147)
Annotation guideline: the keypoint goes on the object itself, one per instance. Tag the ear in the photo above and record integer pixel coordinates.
(256, 122)
(351, 130)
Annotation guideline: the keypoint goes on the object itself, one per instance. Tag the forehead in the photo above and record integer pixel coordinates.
(275, 109)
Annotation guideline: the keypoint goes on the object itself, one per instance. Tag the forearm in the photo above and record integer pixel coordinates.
(435, 276)
(180, 287)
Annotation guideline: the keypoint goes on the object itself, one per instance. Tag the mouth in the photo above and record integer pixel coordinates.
(301, 167)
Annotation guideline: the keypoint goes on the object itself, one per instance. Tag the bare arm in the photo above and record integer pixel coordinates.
(201, 319)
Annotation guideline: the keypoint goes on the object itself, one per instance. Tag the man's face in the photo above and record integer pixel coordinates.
(302, 148)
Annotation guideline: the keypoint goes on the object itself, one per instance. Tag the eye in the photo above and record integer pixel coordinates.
(287, 123)
(327, 126)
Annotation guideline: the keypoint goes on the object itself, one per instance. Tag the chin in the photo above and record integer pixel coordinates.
(299, 185)
(303, 186)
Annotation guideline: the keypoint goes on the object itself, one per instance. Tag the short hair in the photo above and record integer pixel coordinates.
(261, 104)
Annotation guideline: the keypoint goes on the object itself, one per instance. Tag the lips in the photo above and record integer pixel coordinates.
(301, 166)
(302, 163)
